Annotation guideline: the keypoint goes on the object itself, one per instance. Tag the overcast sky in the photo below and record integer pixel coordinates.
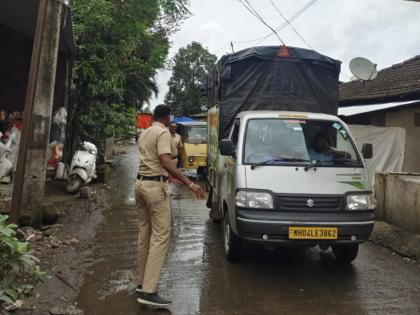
(385, 31)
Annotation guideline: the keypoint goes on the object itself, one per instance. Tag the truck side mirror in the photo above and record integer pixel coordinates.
(227, 147)
(367, 150)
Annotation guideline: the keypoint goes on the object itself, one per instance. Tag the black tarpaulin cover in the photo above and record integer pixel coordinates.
(258, 79)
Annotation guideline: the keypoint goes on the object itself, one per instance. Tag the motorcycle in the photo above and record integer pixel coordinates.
(82, 168)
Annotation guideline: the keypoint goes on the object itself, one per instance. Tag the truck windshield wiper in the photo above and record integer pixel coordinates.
(337, 160)
(342, 159)
(315, 164)
(346, 160)
(268, 162)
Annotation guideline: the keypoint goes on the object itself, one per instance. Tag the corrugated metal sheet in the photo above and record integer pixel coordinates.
(362, 109)
(20, 16)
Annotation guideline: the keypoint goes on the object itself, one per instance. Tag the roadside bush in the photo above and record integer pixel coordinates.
(111, 120)
(19, 270)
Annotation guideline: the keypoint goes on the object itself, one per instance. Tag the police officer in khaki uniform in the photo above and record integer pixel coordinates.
(153, 203)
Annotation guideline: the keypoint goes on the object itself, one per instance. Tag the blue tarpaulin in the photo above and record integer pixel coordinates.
(181, 119)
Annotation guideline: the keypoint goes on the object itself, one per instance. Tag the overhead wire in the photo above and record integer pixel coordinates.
(288, 22)
(294, 17)
(250, 8)
(278, 29)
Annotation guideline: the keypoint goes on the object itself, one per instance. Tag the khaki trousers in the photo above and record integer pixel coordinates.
(154, 210)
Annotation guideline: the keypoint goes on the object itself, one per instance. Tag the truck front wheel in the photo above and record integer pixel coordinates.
(345, 253)
(232, 244)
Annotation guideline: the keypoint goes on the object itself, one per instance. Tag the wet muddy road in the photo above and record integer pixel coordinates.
(200, 281)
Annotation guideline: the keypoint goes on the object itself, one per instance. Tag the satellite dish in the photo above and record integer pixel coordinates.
(363, 69)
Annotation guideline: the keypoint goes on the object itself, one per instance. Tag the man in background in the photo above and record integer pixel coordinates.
(176, 145)
(154, 206)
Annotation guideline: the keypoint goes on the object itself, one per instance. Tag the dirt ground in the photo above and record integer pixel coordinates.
(64, 248)
(397, 239)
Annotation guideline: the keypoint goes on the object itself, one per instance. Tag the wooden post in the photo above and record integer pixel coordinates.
(29, 181)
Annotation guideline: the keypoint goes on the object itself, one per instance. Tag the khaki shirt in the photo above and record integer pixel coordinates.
(153, 142)
(176, 144)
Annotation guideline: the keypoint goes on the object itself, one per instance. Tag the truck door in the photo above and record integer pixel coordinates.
(230, 169)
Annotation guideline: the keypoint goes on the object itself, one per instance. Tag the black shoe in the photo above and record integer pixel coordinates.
(139, 288)
(152, 299)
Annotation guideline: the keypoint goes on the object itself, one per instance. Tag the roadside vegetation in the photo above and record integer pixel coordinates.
(121, 45)
(19, 270)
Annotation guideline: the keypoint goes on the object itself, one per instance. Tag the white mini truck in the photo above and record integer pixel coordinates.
(298, 197)
(290, 178)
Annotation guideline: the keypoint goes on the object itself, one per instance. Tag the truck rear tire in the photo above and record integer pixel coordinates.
(202, 173)
(345, 253)
(214, 204)
(232, 243)
(209, 198)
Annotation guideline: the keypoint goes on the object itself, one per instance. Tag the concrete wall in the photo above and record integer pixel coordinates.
(398, 200)
(405, 117)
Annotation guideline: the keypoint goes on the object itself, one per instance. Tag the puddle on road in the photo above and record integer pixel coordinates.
(109, 286)
(123, 280)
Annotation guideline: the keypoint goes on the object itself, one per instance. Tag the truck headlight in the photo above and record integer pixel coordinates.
(359, 202)
(252, 199)
(191, 159)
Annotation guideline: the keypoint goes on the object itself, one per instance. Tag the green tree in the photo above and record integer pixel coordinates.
(191, 66)
(121, 45)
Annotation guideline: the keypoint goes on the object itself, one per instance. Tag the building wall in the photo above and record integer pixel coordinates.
(405, 117)
(404, 212)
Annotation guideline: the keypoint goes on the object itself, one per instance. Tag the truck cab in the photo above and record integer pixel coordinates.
(294, 178)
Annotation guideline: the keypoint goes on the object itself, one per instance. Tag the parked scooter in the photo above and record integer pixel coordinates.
(6, 164)
(83, 167)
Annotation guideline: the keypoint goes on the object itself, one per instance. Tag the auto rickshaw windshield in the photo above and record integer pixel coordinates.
(196, 135)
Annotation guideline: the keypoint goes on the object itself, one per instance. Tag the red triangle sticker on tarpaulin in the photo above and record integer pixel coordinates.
(283, 52)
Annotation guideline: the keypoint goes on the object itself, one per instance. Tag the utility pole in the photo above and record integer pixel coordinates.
(29, 180)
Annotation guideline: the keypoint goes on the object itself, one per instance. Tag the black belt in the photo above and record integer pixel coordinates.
(152, 178)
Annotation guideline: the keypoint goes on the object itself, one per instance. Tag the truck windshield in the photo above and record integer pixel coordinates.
(196, 135)
(306, 142)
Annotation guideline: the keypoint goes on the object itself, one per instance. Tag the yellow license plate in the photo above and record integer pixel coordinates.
(313, 233)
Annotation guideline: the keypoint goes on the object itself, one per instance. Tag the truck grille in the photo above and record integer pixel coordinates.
(308, 202)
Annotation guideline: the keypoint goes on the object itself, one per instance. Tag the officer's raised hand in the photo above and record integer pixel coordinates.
(168, 164)
(197, 190)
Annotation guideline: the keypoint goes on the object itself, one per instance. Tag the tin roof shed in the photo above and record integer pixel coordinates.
(20, 16)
